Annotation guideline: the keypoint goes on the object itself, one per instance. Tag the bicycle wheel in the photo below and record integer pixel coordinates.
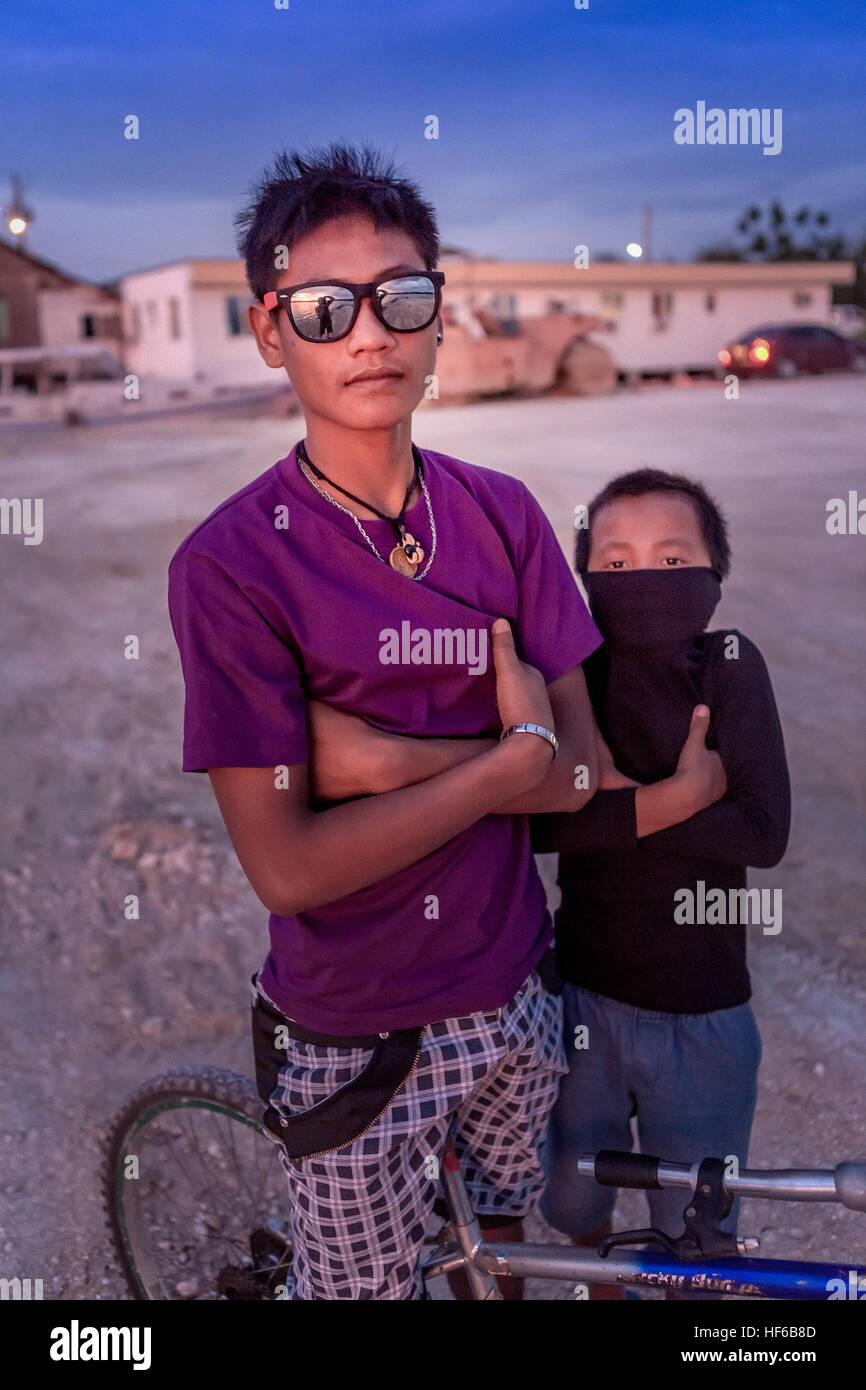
(195, 1194)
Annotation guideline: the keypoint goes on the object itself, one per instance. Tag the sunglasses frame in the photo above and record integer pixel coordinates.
(274, 298)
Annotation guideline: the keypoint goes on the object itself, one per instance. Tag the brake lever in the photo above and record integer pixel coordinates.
(610, 1242)
(702, 1238)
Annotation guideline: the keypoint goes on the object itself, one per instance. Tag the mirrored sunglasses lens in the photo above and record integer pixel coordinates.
(322, 312)
(407, 301)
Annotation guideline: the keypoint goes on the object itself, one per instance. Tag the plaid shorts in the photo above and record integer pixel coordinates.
(358, 1215)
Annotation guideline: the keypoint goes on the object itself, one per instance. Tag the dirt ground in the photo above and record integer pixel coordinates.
(95, 806)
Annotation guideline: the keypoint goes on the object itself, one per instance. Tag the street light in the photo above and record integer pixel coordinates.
(634, 249)
(16, 215)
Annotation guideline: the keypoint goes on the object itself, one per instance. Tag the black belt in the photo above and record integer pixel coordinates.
(347, 1113)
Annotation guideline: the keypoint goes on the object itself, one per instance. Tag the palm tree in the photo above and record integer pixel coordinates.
(772, 235)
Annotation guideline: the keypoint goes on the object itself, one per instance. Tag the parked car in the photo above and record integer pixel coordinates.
(786, 349)
(848, 319)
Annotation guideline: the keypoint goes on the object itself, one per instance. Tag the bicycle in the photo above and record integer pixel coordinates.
(174, 1241)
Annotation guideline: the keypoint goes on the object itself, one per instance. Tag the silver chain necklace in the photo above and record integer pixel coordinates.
(307, 474)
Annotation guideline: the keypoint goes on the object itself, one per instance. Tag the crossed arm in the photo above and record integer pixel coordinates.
(352, 758)
(298, 855)
(743, 819)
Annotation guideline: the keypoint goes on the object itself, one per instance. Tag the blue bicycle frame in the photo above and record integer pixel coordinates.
(740, 1277)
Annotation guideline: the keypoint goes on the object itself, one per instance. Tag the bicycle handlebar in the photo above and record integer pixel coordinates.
(846, 1183)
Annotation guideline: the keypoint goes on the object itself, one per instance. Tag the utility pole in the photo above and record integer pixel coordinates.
(646, 235)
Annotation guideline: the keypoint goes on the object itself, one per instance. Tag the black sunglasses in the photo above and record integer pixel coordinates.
(323, 311)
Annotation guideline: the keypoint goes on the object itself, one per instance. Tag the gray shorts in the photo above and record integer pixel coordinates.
(690, 1079)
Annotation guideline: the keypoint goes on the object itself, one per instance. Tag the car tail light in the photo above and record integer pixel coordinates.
(759, 351)
(724, 357)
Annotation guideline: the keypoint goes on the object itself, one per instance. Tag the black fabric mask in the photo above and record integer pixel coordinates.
(652, 609)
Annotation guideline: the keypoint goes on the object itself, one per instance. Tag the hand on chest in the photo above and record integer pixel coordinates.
(645, 713)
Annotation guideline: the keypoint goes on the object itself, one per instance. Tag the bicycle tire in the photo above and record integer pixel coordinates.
(182, 1088)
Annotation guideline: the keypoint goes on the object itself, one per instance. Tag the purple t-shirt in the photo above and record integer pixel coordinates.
(277, 597)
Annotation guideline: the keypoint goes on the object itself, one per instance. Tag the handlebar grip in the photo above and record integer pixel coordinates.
(851, 1184)
(615, 1168)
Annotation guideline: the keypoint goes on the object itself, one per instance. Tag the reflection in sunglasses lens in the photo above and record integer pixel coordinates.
(407, 301)
(322, 312)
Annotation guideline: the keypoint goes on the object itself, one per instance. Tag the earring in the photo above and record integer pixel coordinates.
(438, 339)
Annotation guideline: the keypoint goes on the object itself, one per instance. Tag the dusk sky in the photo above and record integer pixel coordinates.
(555, 124)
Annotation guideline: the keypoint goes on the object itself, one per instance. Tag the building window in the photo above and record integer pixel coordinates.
(662, 309)
(504, 306)
(4, 319)
(710, 302)
(151, 312)
(802, 298)
(237, 317)
(556, 306)
(88, 326)
(135, 319)
(174, 317)
(611, 301)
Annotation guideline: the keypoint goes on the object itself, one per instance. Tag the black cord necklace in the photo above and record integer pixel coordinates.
(407, 553)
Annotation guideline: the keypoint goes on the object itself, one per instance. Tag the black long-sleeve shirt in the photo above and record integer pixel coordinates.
(615, 930)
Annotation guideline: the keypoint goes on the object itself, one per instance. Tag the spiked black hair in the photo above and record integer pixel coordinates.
(299, 192)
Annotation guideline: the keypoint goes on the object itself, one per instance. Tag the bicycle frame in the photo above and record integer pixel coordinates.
(740, 1277)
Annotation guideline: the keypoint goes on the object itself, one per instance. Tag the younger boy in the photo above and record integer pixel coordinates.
(670, 1035)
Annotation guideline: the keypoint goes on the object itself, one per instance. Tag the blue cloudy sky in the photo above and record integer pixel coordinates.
(555, 124)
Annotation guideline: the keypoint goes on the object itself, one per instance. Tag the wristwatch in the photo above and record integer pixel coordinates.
(532, 729)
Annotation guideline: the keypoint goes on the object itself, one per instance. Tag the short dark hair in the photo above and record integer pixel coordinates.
(713, 525)
(300, 192)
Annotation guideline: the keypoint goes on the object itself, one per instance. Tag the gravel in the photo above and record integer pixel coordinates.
(96, 808)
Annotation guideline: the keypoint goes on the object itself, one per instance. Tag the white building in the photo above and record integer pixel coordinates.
(186, 322)
(659, 317)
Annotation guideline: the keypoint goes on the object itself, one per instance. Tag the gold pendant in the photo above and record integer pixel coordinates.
(407, 554)
(400, 561)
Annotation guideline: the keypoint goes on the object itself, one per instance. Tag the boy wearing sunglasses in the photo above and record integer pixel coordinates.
(427, 599)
